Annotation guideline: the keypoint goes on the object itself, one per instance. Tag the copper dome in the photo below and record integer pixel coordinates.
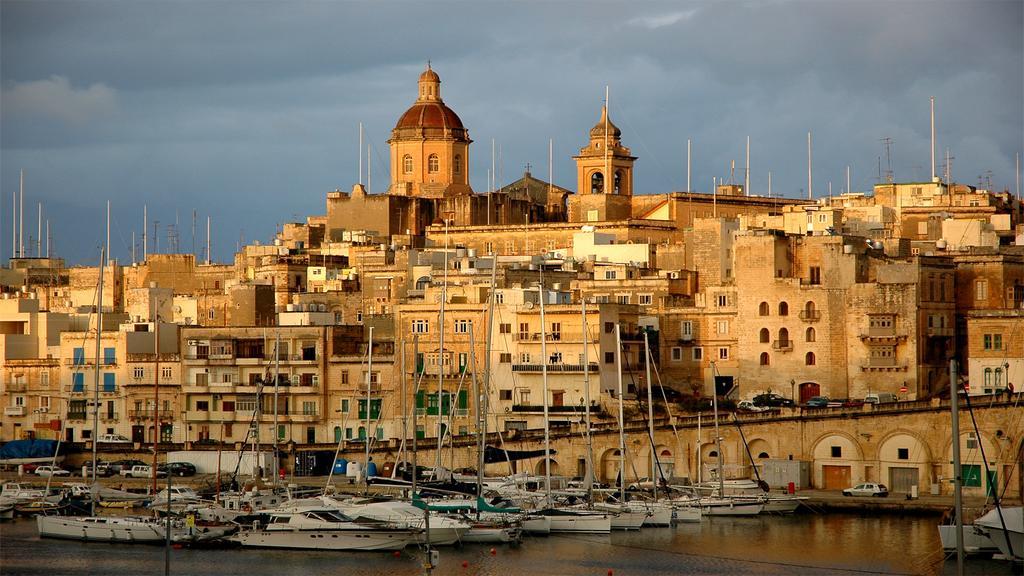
(430, 115)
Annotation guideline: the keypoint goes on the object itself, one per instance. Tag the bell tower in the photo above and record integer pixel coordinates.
(604, 176)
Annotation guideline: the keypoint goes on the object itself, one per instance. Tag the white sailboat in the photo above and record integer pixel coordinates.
(325, 529)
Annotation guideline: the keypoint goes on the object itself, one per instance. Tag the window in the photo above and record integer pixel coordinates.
(609, 357)
(344, 405)
(810, 335)
(505, 328)
(645, 299)
(809, 359)
(433, 164)
(138, 372)
(622, 298)
(765, 359)
(972, 441)
(555, 358)
(837, 451)
(44, 380)
(505, 395)
(783, 337)
(457, 164)
(903, 453)
(165, 372)
(783, 309)
(722, 327)
(609, 327)
(997, 341)
(814, 274)
(462, 326)
(686, 328)
(988, 378)
(499, 297)
(618, 180)
(609, 274)
(763, 309)
(723, 353)
(109, 382)
(987, 341)
(981, 290)
(556, 330)
(723, 300)
(79, 356)
(407, 164)
(999, 378)
(677, 353)
(601, 298)
(698, 354)
(202, 405)
(420, 326)
(597, 183)
(109, 356)
(505, 358)
(764, 336)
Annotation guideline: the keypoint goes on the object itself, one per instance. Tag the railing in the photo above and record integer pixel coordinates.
(810, 315)
(560, 409)
(14, 411)
(108, 416)
(886, 367)
(888, 334)
(90, 361)
(554, 368)
(550, 336)
(782, 345)
(88, 388)
(76, 415)
(165, 415)
(16, 386)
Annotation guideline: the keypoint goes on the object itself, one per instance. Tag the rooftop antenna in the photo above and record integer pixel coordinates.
(145, 239)
(810, 182)
(207, 240)
(732, 172)
(688, 165)
(156, 236)
(133, 246)
(889, 176)
(746, 179)
(932, 99)
(948, 168)
(769, 183)
(848, 189)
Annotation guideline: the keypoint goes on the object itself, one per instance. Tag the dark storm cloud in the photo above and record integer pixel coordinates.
(248, 111)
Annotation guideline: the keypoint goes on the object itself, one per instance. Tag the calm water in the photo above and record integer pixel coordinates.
(802, 544)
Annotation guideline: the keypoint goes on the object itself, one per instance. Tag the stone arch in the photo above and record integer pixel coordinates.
(764, 336)
(783, 308)
(763, 309)
(553, 464)
(765, 359)
(972, 463)
(610, 460)
(760, 450)
(837, 460)
(810, 335)
(597, 182)
(666, 462)
(904, 460)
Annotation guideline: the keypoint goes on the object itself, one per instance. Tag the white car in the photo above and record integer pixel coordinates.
(46, 471)
(142, 472)
(749, 406)
(867, 489)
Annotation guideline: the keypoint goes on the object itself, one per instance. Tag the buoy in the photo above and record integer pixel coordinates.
(398, 554)
(465, 564)
(493, 551)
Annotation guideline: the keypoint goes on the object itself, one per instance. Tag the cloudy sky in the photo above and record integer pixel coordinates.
(248, 111)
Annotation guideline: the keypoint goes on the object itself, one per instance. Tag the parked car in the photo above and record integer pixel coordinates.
(118, 465)
(102, 469)
(817, 402)
(772, 400)
(46, 471)
(178, 468)
(880, 398)
(867, 489)
(113, 439)
(141, 471)
(749, 406)
(849, 403)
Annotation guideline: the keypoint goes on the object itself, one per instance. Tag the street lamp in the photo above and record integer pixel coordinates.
(792, 390)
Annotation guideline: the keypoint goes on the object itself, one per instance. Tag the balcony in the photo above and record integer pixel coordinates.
(882, 336)
(555, 368)
(109, 417)
(810, 315)
(90, 361)
(553, 409)
(782, 345)
(76, 416)
(878, 366)
(685, 338)
(16, 386)
(143, 415)
(550, 337)
(14, 411)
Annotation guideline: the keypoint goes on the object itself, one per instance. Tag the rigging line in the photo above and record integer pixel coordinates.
(988, 473)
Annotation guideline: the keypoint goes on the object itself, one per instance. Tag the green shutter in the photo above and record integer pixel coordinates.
(463, 400)
(420, 400)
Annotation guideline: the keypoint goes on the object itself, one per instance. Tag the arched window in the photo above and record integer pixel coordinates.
(763, 309)
(999, 378)
(618, 181)
(783, 336)
(763, 455)
(457, 164)
(433, 164)
(810, 335)
(713, 454)
(810, 309)
(765, 359)
(597, 183)
(783, 309)
(809, 359)
(765, 336)
(988, 377)
(407, 164)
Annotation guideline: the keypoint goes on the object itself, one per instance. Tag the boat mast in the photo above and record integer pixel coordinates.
(589, 476)
(156, 393)
(369, 382)
(96, 381)
(441, 355)
(958, 506)
(482, 395)
(718, 436)
(622, 421)
(544, 381)
(277, 382)
(650, 417)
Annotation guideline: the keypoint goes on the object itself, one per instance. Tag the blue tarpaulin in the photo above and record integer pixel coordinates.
(28, 449)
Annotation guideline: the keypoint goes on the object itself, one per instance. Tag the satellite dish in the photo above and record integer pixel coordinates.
(528, 305)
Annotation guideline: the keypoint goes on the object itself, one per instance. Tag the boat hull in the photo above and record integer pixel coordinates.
(348, 540)
(731, 508)
(783, 505)
(975, 541)
(98, 529)
(585, 523)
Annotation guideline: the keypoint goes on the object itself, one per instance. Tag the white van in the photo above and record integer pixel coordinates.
(880, 398)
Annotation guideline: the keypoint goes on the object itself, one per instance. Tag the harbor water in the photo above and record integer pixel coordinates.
(832, 543)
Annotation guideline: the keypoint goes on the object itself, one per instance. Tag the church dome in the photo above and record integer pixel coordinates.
(597, 132)
(429, 75)
(430, 115)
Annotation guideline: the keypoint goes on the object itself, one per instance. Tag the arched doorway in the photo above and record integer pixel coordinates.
(666, 464)
(610, 465)
(809, 390)
(904, 461)
(554, 467)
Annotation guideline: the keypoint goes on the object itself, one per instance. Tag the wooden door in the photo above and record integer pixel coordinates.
(835, 477)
